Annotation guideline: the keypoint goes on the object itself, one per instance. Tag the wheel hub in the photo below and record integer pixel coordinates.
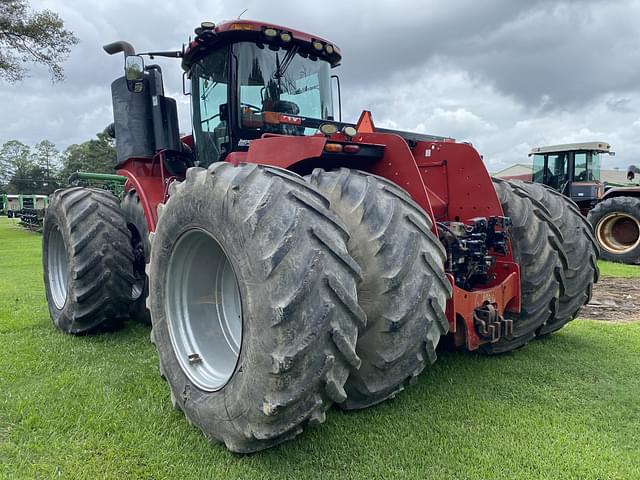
(203, 308)
(618, 232)
(58, 267)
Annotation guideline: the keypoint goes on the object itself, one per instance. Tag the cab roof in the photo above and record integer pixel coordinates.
(601, 147)
(209, 36)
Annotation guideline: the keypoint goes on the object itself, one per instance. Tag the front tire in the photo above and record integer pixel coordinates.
(255, 381)
(616, 222)
(87, 260)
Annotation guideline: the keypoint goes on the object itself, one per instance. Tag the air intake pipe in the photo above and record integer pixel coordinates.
(120, 46)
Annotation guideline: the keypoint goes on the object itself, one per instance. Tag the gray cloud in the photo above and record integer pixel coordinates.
(505, 75)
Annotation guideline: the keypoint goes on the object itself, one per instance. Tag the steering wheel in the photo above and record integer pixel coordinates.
(210, 118)
(257, 109)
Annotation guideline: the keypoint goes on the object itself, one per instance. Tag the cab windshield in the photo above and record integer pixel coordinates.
(276, 85)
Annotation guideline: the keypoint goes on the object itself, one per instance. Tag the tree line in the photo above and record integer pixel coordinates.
(40, 37)
(43, 168)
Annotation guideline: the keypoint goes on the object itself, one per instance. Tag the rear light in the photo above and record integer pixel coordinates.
(351, 149)
(333, 148)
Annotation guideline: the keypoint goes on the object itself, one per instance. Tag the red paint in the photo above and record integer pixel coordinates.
(284, 151)
(148, 179)
(456, 175)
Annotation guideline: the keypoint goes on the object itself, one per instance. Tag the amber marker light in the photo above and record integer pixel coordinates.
(333, 148)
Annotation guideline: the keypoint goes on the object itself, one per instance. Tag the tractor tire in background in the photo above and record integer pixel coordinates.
(254, 303)
(577, 249)
(616, 222)
(534, 248)
(404, 289)
(87, 260)
(137, 225)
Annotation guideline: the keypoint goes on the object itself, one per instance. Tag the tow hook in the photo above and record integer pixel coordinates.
(490, 325)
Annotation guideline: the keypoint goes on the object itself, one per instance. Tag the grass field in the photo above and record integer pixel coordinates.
(95, 407)
(610, 269)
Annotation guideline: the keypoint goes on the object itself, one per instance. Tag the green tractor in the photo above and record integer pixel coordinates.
(613, 210)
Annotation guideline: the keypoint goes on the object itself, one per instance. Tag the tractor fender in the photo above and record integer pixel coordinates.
(622, 192)
(303, 154)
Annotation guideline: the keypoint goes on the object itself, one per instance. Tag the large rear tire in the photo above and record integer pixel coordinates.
(254, 306)
(577, 249)
(87, 260)
(404, 289)
(616, 222)
(137, 225)
(532, 237)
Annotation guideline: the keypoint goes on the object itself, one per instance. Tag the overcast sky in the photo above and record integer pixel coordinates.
(505, 75)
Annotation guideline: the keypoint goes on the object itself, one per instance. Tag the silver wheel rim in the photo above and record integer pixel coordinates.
(58, 268)
(203, 308)
(618, 233)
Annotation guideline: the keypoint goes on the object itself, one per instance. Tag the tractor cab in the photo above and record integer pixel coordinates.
(249, 79)
(571, 169)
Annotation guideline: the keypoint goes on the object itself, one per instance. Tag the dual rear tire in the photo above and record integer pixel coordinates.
(324, 292)
(403, 289)
(554, 247)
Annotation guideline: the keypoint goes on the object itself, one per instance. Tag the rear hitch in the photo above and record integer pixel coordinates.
(490, 325)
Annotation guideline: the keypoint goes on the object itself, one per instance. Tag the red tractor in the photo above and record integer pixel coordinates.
(290, 261)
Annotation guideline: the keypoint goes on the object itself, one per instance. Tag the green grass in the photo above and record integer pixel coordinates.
(95, 407)
(611, 269)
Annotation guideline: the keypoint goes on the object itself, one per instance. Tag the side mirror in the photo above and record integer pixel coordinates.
(134, 73)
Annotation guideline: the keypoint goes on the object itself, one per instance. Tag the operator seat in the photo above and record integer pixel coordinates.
(286, 107)
(281, 106)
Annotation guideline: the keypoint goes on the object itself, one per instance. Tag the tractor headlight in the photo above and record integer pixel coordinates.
(349, 131)
(270, 32)
(328, 128)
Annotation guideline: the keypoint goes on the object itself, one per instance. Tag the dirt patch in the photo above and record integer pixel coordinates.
(614, 300)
